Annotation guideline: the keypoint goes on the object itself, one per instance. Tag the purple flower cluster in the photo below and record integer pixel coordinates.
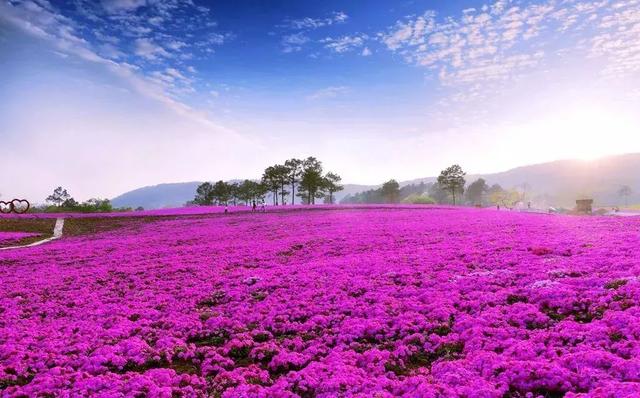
(8, 237)
(357, 302)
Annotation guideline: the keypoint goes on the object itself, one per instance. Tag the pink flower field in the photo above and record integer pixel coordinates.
(8, 237)
(356, 302)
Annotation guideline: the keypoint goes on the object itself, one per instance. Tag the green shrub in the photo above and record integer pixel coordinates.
(416, 199)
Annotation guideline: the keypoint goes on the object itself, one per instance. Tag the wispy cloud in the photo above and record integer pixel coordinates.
(329, 92)
(294, 42)
(345, 43)
(110, 51)
(146, 30)
(315, 23)
(42, 20)
(115, 6)
(477, 47)
(148, 50)
(505, 39)
(618, 39)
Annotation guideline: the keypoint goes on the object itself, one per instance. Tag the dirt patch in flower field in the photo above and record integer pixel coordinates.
(76, 226)
(41, 226)
(37, 229)
(89, 226)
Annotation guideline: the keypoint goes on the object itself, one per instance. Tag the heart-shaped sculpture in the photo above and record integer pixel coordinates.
(20, 206)
(5, 207)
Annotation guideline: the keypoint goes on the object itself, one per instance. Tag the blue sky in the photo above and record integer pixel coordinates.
(106, 96)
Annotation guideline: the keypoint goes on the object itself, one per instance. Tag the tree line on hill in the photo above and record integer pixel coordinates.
(301, 178)
(449, 188)
(305, 179)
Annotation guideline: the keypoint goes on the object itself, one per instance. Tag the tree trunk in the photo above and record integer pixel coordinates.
(293, 192)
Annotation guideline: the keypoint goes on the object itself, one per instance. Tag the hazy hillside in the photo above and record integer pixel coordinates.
(158, 196)
(177, 194)
(565, 180)
(554, 183)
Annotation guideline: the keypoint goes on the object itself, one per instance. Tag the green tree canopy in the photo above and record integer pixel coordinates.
(311, 181)
(294, 168)
(59, 196)
(332, 184)
(281, 174)
(452, 180)
(221, 193)
(271, 181)
(476, 191)
(391, 191)
(204, 194)
(305, 175)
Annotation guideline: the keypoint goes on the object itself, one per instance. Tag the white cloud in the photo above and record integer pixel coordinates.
(315, 23)
(147, 49)
(366, 52)
(618, 40)
(59, 31)
(116, 6)
(499, 42)
(175, 44)
(412, 32)
(156, 21)
(340, 17)
(175, 73)
(345, 43)
(399, 36)
(178, 27)
(214, 39)
(106, 38)
(294, 42)
(474, 48)
(110, 51)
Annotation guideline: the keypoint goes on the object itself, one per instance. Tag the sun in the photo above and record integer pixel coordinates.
(587, 132)
(596, 132)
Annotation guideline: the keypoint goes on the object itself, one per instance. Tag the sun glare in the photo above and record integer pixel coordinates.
(595, 132)
(582, 132)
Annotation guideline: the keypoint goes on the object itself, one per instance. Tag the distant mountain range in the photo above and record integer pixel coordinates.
(158, 196)
(178, 193)
(556, 183)
(561, 182)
